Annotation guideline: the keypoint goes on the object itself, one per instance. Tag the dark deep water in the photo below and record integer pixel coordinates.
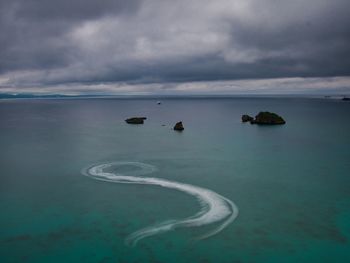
(291, 183)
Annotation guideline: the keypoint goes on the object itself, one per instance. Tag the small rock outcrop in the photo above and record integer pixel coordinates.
(346, 99)
(268, 118)
(136, 120)
(246, 118)
(178, 126)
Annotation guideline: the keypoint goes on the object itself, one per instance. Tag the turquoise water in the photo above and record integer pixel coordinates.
(290, 183)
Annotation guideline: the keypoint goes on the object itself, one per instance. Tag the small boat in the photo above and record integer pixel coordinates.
(158, 102)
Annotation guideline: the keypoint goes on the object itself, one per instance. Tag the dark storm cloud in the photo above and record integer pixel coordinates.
(44, 10)
(45, 43)
(33, 32)
(310, 38)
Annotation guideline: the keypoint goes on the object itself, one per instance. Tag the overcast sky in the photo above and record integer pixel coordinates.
(160, 46)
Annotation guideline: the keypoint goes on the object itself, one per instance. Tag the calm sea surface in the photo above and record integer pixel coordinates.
(291, 183)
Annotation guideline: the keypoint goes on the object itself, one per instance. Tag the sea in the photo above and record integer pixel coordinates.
(79, 184)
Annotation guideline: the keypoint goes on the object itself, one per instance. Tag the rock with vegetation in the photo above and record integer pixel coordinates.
(179, 126)
(268, 118)
(136, 120)
(246, 118)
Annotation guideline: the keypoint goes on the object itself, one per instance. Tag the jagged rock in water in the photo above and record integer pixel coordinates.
(136, 120)
(246, 118)
(178, 126)
(268, 118)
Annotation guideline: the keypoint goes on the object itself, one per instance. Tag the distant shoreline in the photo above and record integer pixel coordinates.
(6, 96)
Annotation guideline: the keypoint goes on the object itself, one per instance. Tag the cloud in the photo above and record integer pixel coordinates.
(91, 43)
(278, 86)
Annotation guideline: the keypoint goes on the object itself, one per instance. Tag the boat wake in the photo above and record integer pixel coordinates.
(215, 208)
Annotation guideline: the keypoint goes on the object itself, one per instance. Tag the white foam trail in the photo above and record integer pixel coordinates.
(214, 207)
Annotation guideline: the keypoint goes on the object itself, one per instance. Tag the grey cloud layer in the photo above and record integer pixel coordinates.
(45, 43)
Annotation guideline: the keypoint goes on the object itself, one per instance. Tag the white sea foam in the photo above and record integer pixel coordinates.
(214, 207)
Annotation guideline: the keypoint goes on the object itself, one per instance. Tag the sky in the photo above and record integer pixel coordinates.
(175, 46)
